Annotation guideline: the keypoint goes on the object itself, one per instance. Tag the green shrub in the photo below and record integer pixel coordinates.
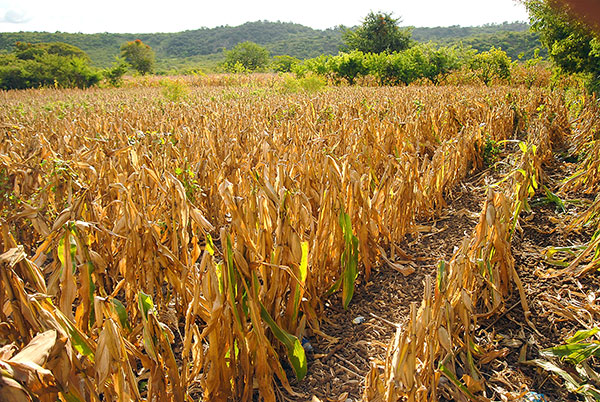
(318, 65)
(309, 83)
(33, 67)
(312, 83)
(114, 75)
(139, 55)
(174, 91)
(246, 56)
(418, 62)
(348, 66)
(494, 63)
(284, 64)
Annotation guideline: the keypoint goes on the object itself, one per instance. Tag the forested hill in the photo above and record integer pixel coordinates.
(513, 37)
(279, 37)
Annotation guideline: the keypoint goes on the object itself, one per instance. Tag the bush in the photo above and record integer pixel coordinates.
(47, 70)
(114, 75)
(246, 56)
(318, 65)
(310, 83)
(426, 63)
(139, 55)
(174, 91)
(419, 62)
(494, 63)
(379, 32)
(33, 66)
(284, 64)
(348, 66)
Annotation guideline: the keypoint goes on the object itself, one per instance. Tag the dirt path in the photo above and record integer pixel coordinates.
(337, 371)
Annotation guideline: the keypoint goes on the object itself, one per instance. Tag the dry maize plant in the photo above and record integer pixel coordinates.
(585, 179)
(161, 250)
(440, 337)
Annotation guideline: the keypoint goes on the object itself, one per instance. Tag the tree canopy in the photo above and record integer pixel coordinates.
(378, 33)
(247, 56)
(139, 55)
(204, 47)
(572, 44)
(44, 65)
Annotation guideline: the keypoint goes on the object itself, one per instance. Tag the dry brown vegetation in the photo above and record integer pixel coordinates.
(159, 250)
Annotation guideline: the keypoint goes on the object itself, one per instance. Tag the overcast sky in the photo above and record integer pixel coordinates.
(178, 15)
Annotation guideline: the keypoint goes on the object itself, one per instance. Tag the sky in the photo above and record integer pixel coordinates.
(124, 16)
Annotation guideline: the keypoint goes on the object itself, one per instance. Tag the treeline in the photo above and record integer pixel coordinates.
(421, 62)
(455, 33)
(46, 65)
(518, 45)
(278, 37)
(206, 45)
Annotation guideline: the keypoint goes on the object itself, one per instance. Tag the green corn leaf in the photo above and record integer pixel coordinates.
(350, 274)
(441, 276)
(576, 353)
(78, 339)
(295, 351)
(349, 259)
(121, 313)
(456, 382)
(219, 272)
(574, 349)
(303, 270)
(210, 246)
(553, 198)
(581, 335)
(72, 250)
(69, 397)
(79, 343)
(334, 287)
(145, 304)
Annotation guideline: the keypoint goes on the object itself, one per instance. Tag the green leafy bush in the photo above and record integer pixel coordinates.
(309, 83)
(174, 91)
(418, 62)
(284, 64)
(378, 33)
(348, 66)
(246, 56)
(494, 63)
(34, 66)
(139, 55)
(114, 75)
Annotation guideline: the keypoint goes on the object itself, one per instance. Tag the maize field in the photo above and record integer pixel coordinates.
(161, 250)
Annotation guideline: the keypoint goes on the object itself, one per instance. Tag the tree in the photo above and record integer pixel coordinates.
(284, 64)
(139, 55)
(246, 56)
(378, 33)
(28, 51)
(114, 75)
(348, 66)
(490, 64)
(46, 65)
(572, 45)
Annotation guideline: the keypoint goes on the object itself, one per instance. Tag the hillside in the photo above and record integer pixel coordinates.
(280, 38)
(205, 45)
(514, 38)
